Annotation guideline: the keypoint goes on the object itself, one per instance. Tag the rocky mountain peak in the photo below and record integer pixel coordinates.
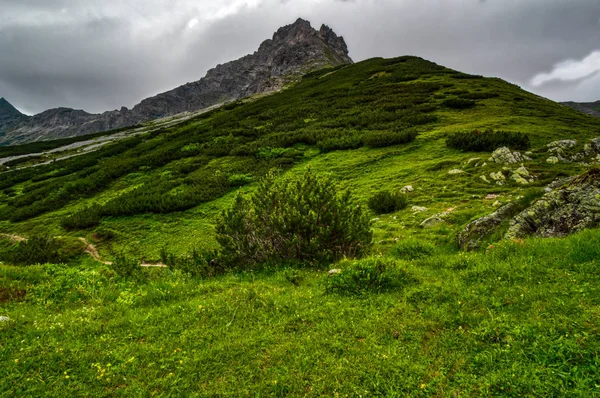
(294, 50)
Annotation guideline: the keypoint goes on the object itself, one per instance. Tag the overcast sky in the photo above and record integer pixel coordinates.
(101, 55)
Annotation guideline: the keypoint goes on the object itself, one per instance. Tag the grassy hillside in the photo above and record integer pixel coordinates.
(515, 319)
(149, 191)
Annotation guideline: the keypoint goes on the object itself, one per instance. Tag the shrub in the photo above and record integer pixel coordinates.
(82, 219)
(488, 141)
(350, 141)
(458, 103)
(126, 267)
(412, 250)
(42, 249)
(197, 263)
(379, 139)
(302, 220)
(370, 275)
(384, 202)
(237, 180)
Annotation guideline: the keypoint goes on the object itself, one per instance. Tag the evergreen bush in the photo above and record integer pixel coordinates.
(384, 202)
(303, 220)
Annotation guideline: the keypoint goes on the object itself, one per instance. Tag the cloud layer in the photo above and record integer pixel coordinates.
(102, 55)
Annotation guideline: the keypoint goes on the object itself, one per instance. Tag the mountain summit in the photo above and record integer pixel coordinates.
(293, 51)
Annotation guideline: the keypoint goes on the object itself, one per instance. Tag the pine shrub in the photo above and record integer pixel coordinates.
(488, 140)
(304, 220)
(379, 139)
(384, 202)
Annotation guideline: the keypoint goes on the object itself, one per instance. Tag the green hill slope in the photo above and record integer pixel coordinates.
(417, 318)
(149, 191)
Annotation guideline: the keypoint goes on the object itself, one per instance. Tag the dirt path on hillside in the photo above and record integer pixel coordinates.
(89, 249)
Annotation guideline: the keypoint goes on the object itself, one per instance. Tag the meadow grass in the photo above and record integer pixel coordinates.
(517, 320)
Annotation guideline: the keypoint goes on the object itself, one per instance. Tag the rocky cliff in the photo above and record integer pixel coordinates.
(9, 116)
(293, 51)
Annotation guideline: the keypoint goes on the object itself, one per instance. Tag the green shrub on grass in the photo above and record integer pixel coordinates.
(199, 263)
(42, 249)
(384, 202)
(412, 250)
(82, 219)
(458, 103)
(303, 220)
(350, 141)
(126, 267)
(380, 139)
(488, 140)
(369, 275)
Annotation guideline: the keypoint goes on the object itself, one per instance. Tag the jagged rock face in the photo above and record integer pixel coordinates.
(293, 51)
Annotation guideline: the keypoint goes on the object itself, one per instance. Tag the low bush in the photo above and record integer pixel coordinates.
(412, 250)
(488, 140)
(370, 275)
(304, 220)
(379, 139)
(458, 103)
(42, 249)
(126, 267)
(237, 180)
(199, 263)
(384, 202)
(350, 141)
(82, 219)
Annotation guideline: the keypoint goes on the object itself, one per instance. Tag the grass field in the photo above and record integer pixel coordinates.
(518, 320)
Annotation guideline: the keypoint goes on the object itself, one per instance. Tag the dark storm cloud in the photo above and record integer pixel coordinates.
(101, 55)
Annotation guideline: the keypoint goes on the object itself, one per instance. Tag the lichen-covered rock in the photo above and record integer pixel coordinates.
(484, 179)
(563, 211)
(552, 160)
(456, 171)
(471, 236)
(522, 176)
(432, 221)
(418, 209)
(497, 176)
(563, 144)
(407, 189)
(505, 156)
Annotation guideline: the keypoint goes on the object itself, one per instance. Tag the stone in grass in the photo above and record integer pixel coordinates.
(456, 171)
(418, 209)
(407, 189)
(334, 271)
(504, 155)
(552, 160)
(497, 176)
(4, 319)
(484, 179)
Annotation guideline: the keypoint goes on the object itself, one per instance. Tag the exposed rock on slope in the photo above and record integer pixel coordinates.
(569, 206)
(569, 209)
(293, 51)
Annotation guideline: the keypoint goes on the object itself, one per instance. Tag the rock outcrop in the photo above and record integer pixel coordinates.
(563, 211)
(293, 51)
(471, 236)
(569, 205)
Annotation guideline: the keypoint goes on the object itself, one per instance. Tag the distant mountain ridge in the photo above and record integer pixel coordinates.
(591, 108)
(294, 50)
